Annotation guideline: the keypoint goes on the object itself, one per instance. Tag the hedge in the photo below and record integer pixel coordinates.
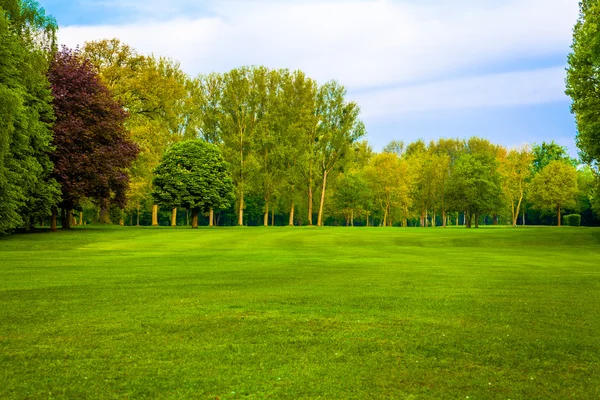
(572, 220)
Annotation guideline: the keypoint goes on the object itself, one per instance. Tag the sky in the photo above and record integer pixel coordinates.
(419, 69)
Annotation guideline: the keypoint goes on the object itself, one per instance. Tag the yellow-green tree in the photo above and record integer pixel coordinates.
(554, 187)
(515, 171)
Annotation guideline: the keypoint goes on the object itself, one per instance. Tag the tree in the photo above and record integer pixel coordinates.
(554, 187)
(545, 153)
(390, 180)
(161, 102)
(339, 128)
(474, 186)
(352, 196)
(583, 80)
(92, 150)
(27, 192)
(516, 172)
(238, 123)
(194, 175)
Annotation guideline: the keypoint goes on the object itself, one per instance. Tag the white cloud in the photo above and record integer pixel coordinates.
(537, 86)
(368, 46)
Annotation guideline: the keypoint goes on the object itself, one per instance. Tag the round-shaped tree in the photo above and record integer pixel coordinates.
(193, 174)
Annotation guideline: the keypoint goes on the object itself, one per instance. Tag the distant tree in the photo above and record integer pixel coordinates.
(92, 150)
(545, 153)
(338, 130)
(390, 179)
(583, 85)
(352, 196)
(395, 147)
(239, 117)
(516, 172)
(194, 175)
(474, 186)
(554, 187)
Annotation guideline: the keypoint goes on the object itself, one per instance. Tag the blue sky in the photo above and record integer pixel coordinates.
(418, 69)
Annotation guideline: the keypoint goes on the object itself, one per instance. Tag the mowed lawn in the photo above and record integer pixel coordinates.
(366, 313)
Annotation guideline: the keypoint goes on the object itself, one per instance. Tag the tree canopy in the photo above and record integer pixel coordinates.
(194, 175)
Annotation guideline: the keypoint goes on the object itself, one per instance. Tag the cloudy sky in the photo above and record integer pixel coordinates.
(418, 68)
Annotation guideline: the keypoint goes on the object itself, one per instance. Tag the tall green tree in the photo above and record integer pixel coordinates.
(583, 80)
(194, 175)
(339, 128)
(240, 107)
(555, 187)
(27, 192)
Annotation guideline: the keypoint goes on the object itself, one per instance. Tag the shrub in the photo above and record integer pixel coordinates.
(572, 220)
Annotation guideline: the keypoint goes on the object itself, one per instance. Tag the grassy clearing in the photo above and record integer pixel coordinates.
(301, 313)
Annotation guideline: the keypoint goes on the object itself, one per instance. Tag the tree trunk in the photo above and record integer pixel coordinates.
(352, 218)
(211, 218)
(476, 220)
(104, 217)
(523, 220)
(433, 220)
(53, 220)
(272, 216)
(516, 214)
(174, 217)
(559, 224)
(320, 217)
(66, 218)
(310, 202)
(194, 218)
(495, 220)
(291, 222)
(385, 215)
(266, 216)
(154, 215)
(138, 216)
(367, 219)
(241, 210)
(444, 221)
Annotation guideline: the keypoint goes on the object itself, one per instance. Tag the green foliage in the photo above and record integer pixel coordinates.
(583, 80)
(26, 192)
(193, 174)
(474, 186)
(572, 220)
(554, 187)
(545, 153)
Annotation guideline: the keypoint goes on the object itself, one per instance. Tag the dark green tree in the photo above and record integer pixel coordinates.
(194, 175)
(474, 186)
(583, 80)
(26, 191)
(545, 153)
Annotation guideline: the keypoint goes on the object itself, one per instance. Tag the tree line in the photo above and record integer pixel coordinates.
(86, 131)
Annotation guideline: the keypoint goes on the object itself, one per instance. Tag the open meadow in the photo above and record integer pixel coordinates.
(493, 313)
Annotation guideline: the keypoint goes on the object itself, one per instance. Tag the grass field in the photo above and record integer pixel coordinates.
(365, 313)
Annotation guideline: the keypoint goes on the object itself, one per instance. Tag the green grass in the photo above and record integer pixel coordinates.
(366, 313)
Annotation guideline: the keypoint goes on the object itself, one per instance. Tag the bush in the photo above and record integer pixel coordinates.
(572, 220)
